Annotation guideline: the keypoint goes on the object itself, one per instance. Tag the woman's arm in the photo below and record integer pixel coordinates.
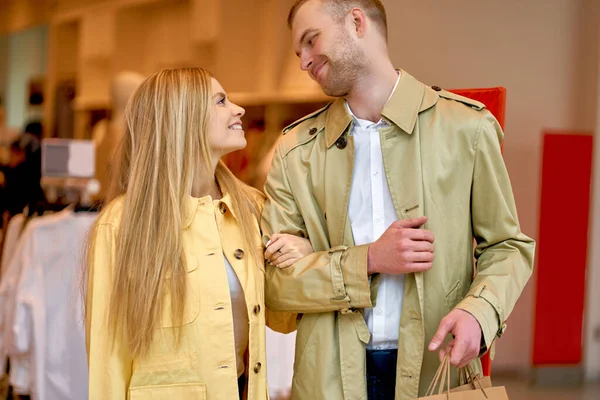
(109, 363)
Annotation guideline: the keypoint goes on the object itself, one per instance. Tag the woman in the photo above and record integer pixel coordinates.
(175, 306)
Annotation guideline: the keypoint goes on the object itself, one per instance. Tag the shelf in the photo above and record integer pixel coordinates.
(71, 15)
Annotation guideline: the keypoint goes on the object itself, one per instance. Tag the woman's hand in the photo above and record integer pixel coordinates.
(284, 250)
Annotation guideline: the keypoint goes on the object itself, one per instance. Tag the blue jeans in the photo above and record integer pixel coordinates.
(381, 374)
(242, 380)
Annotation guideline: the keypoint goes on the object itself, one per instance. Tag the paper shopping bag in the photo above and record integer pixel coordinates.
(474, 389)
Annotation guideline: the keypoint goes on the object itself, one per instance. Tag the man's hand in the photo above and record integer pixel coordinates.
(466, 331)
(402, 248)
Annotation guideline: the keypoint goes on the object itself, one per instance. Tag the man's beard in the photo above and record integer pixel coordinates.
(345, 64)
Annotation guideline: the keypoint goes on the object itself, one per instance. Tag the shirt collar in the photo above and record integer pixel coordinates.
(364, 123)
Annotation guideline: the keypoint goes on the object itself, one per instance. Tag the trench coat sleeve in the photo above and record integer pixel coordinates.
(504, 254)
(332, 280)
(282, 322)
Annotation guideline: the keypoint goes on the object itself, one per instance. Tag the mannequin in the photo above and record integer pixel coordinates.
(107, 134)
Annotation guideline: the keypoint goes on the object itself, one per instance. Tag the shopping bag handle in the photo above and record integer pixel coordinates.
(435, 379)
(472, 378)
(442, 378)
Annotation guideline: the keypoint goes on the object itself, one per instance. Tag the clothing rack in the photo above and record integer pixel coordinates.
(45, 244)
(71, 195)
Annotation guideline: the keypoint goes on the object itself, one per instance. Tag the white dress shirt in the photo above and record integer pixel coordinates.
(371, 212)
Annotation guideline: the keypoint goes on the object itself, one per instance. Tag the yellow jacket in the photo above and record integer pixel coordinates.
(204, 366)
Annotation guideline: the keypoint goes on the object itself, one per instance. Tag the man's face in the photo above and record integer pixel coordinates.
(327, 50)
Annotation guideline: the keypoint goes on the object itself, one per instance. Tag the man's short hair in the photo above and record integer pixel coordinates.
(374, 9)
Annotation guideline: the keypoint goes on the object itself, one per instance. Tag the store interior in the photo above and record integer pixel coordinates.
(67, 68)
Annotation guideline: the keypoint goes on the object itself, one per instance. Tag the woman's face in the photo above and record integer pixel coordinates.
(226, 133)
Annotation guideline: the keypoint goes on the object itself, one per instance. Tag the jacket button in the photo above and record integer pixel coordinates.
(312, 131)
(341, 143)
(436, 88)
(257, 368)
(239, 254)
(222, 208)
(257, 309)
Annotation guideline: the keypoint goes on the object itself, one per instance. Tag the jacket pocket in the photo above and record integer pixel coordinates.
(192, 298)
(453, 296)
(196, 391)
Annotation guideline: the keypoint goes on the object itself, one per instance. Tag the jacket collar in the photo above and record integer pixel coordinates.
(191, 204)
(338, 120)
(402, 109)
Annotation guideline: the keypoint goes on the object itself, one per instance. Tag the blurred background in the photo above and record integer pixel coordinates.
(67, 68)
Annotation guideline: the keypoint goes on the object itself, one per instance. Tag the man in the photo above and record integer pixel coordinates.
(372, 179)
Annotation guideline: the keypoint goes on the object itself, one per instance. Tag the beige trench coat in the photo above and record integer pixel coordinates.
(442, 159)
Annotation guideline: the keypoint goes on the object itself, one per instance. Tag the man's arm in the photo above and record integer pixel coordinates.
(333, 280)
(504, 254)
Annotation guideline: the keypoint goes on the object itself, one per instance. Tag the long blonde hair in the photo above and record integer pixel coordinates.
(166, 144)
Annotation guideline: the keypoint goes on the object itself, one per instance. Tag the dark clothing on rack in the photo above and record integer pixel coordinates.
(22, 184)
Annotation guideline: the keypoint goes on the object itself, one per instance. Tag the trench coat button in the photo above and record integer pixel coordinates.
(312, 131)
(436, 88)
(341, 143)
(256, 309)
(239, 254)
(257, 367)
(222, 208)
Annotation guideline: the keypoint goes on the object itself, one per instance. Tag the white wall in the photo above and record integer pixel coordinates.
(589, 58)
(26, 59)
(533, 48)
(592, 331)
